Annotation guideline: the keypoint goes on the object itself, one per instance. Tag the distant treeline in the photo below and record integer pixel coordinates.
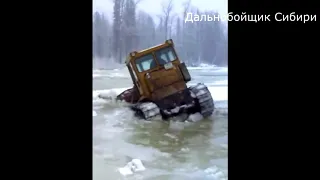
(197, 42)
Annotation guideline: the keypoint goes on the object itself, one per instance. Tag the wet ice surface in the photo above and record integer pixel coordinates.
(175, 150)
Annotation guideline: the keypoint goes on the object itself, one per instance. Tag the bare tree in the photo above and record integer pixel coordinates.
(117, 18)
(146, 30)
(186, 6)
(130, 34)
(167, 12)
(170, 25)
(136, 2)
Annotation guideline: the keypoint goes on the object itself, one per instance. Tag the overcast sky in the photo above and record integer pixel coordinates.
(153, 7)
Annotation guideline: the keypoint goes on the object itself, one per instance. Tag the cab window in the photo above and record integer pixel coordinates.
(145, 63)
(165, 55)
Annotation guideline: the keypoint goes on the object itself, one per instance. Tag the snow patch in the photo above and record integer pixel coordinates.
(219, 93)
(110, 75)
(204, 66)
(94, 113)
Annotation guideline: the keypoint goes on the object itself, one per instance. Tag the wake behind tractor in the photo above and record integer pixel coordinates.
(160, 85)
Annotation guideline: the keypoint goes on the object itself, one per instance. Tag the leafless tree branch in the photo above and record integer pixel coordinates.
(186, 6)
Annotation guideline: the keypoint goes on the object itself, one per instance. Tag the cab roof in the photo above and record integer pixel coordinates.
(167, 43)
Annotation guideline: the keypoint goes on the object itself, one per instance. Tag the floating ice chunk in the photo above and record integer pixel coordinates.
(126, 170)
(214, 172)
(218, 175)
(184, 149)
(195, 117)
(133, 166)
(138, 165)
(96, 75)
(170, 136)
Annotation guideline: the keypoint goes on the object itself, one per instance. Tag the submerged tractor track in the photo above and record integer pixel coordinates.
(202, 103)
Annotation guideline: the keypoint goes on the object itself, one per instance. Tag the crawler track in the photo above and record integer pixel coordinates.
(204, 99)
(146, 110)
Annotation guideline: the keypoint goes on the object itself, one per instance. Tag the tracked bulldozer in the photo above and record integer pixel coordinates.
(160, 85)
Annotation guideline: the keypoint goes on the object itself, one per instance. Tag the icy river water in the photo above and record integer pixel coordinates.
(168, 150)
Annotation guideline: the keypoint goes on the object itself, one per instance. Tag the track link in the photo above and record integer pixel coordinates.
(146, 110)
(203, 96)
